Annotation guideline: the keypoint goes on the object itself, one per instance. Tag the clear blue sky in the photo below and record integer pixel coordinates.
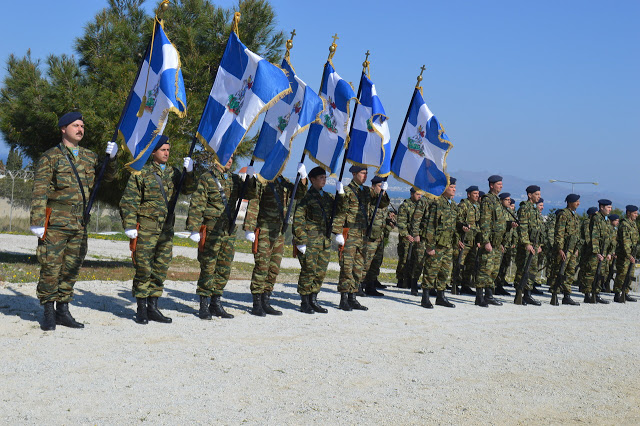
(540, 90)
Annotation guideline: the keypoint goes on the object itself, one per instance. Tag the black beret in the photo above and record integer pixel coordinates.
(572, 198)
(317, 171)
(631, 208)
(356, 169)
(452, 180)
(541, 200)
(504, 195)
(161, 141)
(592, 210)
(513, 201)
(412, 190)
(613, 217)
(376, 179)
(532, 188)
(482, 193)
(495, 178)
(69, 118)
(604, 202)
(472, 188)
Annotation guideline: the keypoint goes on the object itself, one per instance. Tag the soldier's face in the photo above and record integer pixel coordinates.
(632, 216)
(450, 191)
(161, 155)
(507, 203)
(318, 182)
(416, 196)
(496, 188)
(473, 196)
(540, 206)
(229, 163)
(73, 132)
(535, 196)
(615, 222)
(573, 206)
(360, 177)
(605, 210)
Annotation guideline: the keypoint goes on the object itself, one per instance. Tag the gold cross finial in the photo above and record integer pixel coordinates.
(422, 68)
(366, 63)
(293, 33)
(335, 37)
(333, 47)
(289, 44)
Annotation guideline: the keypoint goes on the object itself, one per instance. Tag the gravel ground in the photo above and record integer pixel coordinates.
(394, 364)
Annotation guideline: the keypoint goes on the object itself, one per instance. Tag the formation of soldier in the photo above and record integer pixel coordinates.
(467, 247)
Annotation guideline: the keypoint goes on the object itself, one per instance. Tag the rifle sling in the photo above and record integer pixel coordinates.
(75, 172)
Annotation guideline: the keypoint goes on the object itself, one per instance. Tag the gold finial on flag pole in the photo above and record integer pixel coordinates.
(366, 63)
(234, 23)
(333, 47)
(420, 78)
(289, 44)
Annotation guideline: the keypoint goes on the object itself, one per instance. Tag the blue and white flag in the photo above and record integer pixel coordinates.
(245, 86)
(370, 141)
(326, 137)
(421, 155)
(283, 122)
(158, 90)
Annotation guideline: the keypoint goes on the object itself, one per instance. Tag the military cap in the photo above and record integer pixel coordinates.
(69, 118)
(613, 217)
(452, 180)
(513, 202)
(412, 190)
(541, 200)
(604, 202)
(472, 188)
(495, 178)
(317, 171)
(572, 198)
(356, 169)
(504, 195)
(482, 193)
(592, 210)
(161, 141)
(532, 188)
(376, 179)
(631, 208)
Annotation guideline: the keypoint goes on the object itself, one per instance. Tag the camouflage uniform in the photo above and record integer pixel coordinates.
(405, 218)
(382, 226)
(613, 236)
(598, 242)
(493, 228)
(265, 213)
(419, 215)
(143, 204)
(583, 256)
(628, 237)
(565, 238)
(438, 232)
(468, 215)
(530, 231)
(310, 226)
(64, 246)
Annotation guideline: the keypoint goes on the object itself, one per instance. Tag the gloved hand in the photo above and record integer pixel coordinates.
(187, 164)
(38, 231)
(250, 235)
(302, 171)
(195, 236)
(340, 188)
(112, 149)
(302, 248)
(339, 239)
(131, 233)
(250, 171)
(384, 186)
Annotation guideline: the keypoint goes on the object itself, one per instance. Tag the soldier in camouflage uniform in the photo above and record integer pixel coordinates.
(468, 233)
(354, 203)
(212, 205)
(440, 239)
(565, 248)
(510, 243)
(530, 235)
(628, 239)
(405, 239)
(609, 267)
(311, 236)
(420, 214)
(548, 248)
(584, 248)
(58, 203)
(597, 250)
(144, 208)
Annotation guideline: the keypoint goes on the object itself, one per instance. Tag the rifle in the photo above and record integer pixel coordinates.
(605, 285)
(562, 276)
(525, 273)
(407, 271)
(457, 278)
(627, 278)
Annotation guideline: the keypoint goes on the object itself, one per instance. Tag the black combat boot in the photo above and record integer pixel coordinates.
(536, 290)
(433, 292)
(141, 312)
(63, 316)
(488, 297)
(313, 301)
(370, 290)
(49, 322)
(529, 300)
(466, 289)
(204, 313)
(361, 292)
(353, 302)
(500, 290)
(628, 298)
(414, 287)
(257, 305)
(154, 313)
(601, 300)
(216, 309)
(400, 283)
(379, 284)
(266, 305)
(480, 300)
(618, 298)
(441, 300)
(567, 300)
(425, 302)
(305, 306)
(344, 302)
(587, 297)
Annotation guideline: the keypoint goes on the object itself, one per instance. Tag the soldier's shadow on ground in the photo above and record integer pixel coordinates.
(118, 306)
(26, 307)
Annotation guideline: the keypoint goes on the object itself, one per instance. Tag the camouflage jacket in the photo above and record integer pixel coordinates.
(628, 237)
(405, 216)
(55, 185)
(439, 225)
(381, 223)
(599, 237)
(567, 229)
(613, 234)
(264, 211)
(354, 205)
(493, 220)
(311, 218)
(419, 216)
(469, 215)
(531, 225)
(143, 198)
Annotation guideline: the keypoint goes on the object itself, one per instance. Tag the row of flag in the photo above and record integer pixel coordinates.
(247, 85)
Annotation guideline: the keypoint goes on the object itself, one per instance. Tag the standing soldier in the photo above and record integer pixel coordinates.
(263, 227)
(352, 221)
(468, 220)
(144, 209)
(405, 239)
(628, 238)
(584, 248)
(609, 267)
(565, 248)
(440, 240)
(529, 245)
(211, 208)
(597, 251)
(311, 237)
(509, 243)
(64, 178)
(419, 233)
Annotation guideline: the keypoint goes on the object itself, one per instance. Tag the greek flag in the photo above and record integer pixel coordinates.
(370, 141)
(421, 155)
(284, 121)
(245, 86)
(326, 136)
(158, 90)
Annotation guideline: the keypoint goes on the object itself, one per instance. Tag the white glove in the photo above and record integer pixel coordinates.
(339, 239)
(250, 235)
(250, 171)
(131, 233)
(195, 237)
(302, 171)
(302, 248)
(384, 186)
(112, 149)
(38, 231)
(340, 188)
(188, 164)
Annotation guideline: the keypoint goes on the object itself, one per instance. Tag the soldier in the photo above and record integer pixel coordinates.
(211, 208)
(64, 178)
(144, 207)
(627, 251)
(352, 220)
(609, 267)
(440, 238)
(529, 245)
(405, 239)
(584, 235)
(548, 245)
(263, 227)
(565, 247)
(468, 233)
(597, 251)
(311, 237)
(509, 243)
(540, 205)
(418, 233)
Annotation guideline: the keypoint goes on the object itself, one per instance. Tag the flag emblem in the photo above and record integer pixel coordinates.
(414, 143)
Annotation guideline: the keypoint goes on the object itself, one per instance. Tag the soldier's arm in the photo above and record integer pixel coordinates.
(190, 183)
(253, 209)
(40, 194)
(485, 221)
(299, 228)
(130, 201)
(416, 220)
(403, 220)
(594, 235)
(523, 229)
(197, 205)
(430, 224)
(110, 170)
(559, 232)
(341, 214)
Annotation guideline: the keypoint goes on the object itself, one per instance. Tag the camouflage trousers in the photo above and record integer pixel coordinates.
(152, 258)
(215, 262)
(489, 267)
(418, 257)
(60, 255)
(521, 259)
(622, 266)
(313, 265)
(267, 260)
(376, 251)
(437, 269)
(505, 262)
(590, 267)
(468, 264)
(354, 261)
(403, 252)
(569, 271)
